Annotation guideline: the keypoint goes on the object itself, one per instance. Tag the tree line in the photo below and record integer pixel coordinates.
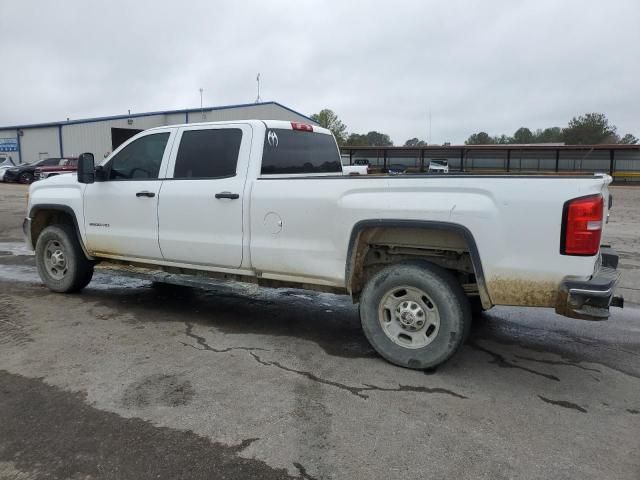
(328, 119)
(587, 129)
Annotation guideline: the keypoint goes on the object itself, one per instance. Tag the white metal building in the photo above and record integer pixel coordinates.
(27, 143)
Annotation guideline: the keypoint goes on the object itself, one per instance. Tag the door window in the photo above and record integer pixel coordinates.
(140, 160)
(210, 153)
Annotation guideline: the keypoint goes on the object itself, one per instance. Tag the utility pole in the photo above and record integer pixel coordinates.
(258, 81)
(201, 108)
(429, 127)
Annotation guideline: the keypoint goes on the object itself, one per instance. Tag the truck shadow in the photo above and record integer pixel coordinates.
(332, 323)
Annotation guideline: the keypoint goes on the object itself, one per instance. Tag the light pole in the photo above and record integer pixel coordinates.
(201, 109)
(258, 80)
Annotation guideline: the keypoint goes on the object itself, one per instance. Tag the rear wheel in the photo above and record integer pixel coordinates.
(61, 263)
(415, 315)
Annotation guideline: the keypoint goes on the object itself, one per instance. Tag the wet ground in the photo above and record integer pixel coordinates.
(132, 379)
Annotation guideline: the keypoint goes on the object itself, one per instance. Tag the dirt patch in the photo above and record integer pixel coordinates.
(525, 293)
(158, 390)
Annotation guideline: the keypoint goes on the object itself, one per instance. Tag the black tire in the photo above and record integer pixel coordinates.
(25, 178)
(444, 300)
(72, 271)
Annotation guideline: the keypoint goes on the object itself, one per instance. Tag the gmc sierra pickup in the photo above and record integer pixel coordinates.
(267, 202)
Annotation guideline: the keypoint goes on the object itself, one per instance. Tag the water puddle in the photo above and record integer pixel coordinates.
(15, 249)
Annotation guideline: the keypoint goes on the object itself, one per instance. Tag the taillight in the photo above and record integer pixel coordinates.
(582, 226)
(302, 126)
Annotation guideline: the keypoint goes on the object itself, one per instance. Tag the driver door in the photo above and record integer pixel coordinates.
(121, 211)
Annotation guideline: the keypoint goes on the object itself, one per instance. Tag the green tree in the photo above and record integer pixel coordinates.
(356, 140)
(523, 135)
(629, 139)
(328, 119)
(588, 129)
(375, 139)
(548, 135)
(378, 139)
(415, 142)
(480, 138)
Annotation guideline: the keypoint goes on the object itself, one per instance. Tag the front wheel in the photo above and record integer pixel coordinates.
(415, 315)
(61, 263)
(25, 178)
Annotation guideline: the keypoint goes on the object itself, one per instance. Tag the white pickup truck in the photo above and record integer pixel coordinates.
(267, 202)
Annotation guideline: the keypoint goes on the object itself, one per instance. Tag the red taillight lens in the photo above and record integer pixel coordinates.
(582, 226)
(302, 126)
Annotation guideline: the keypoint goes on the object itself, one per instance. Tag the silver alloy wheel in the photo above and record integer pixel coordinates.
(55, 259)
(408, 317)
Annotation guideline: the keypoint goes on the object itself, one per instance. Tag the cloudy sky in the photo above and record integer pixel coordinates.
(380, 65)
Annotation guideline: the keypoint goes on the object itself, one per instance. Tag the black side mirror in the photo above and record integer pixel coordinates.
(86, 168)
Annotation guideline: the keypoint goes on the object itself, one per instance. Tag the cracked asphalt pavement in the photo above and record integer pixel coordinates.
(132, 379)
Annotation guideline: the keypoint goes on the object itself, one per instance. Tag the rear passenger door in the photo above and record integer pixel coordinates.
(201, 203)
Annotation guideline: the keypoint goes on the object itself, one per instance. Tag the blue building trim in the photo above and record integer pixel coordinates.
(60, 140)
(151, 114)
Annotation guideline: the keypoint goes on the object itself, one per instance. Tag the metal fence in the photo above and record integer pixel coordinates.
(620, 161)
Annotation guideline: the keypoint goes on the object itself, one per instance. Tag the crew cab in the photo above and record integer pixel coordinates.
(65, 165)
(266, 202)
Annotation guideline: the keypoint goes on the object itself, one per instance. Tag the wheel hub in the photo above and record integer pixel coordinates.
(57, 259)
(409, 317)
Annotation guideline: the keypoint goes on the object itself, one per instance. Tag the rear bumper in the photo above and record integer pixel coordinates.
(591, 299)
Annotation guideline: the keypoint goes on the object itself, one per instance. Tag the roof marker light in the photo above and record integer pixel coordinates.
(302, 126)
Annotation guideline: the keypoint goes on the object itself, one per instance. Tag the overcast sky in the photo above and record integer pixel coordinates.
(382, 65)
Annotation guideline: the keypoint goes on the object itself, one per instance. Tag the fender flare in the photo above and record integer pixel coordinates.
(422, 224)
(61, 208)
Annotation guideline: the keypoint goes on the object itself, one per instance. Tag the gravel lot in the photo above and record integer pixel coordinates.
(135, 380)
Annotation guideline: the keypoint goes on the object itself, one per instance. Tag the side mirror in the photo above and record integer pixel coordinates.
(86, 168)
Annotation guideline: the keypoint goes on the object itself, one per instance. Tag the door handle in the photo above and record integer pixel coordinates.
(145, 194)
(232, 196)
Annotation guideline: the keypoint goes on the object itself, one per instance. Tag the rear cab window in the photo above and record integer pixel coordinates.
(295, 152)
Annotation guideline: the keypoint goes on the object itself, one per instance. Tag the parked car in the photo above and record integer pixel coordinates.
(266, 202)
(397, 169)
(5, 164)
(66, 165)
(25, 173)
(439, 166)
